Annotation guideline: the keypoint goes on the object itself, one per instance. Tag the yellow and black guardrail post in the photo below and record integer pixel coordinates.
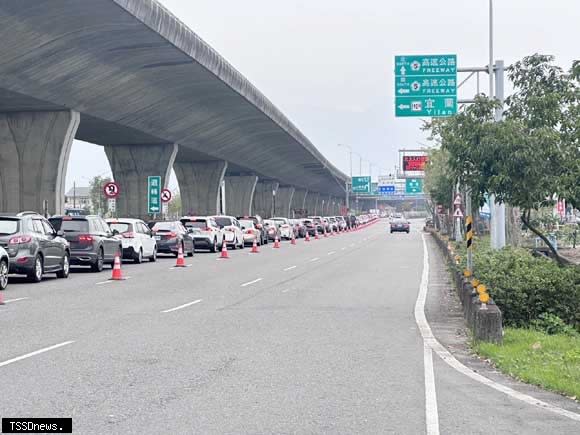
(469, 241)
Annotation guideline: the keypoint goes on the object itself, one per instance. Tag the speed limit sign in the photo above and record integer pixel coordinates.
(111, 189)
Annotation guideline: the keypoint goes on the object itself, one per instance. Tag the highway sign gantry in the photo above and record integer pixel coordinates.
(153, 194)
(361, 185)
(426, 85)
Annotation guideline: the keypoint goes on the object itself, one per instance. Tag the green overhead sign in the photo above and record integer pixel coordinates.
(361, 184)
(413, 186)
(426, 85)
(154, 194)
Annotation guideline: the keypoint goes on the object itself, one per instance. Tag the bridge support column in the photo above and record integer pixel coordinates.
(199, 185)
(240, 194)
(325, 210)
(131, 164)
(34, 152)
(283, 201)
(298, 201)
(264, 198)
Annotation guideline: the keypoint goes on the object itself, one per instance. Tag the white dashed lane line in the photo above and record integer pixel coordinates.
(315, 259)
(331, 253)
(36, 352)
(14, 300)
(289, 268)
(251, 282)
(182, 306)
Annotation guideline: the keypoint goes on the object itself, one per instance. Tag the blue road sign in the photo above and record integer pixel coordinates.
(387, 190)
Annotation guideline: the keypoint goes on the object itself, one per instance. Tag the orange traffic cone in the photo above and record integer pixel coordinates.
(180, 260)
(293, 241)
(255, 247)
(224, 253)
(325, 233)
(276, 243)
(117, 274)
(2, 298)
(316, 235)
(307, 238)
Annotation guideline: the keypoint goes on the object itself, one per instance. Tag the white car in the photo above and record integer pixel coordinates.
(233, 235)
(136, 237)
(4, 268)
(341, 223)
(205, 231)
(286, 230)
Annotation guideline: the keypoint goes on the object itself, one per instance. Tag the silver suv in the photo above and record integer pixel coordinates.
(34, 246)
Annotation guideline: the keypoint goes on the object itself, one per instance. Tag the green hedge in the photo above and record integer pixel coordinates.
(527, 288)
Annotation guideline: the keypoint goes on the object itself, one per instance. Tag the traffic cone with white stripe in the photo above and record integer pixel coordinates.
(117, 273)
(307, 238)
(180, 260)
(255, 247)
(316, 235)
(293, 241)
(224, 253)
(276, 242)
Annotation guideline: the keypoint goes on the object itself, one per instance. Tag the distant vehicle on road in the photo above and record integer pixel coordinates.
(76, 212)
(272, 229)
(4, 268)
(170, 235)
(400, 225)
(232, 231)
(205, 232)
(309, 226)
(341, 223)
(332, 223)
(286, 229)
(251, 233)
(298, 227)
(91, 240)
(259, 225)
(319, 222)
(136, 237)
(34, 246)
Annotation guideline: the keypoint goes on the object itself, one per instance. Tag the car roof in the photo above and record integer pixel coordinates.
(122, 220)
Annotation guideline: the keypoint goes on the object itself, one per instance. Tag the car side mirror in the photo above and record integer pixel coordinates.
(115, 232)
(60, 233)
(190, 230)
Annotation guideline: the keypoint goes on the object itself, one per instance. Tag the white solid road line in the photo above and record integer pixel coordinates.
(315, 259)
(14, 300)
(431, 411)
(289, 268)
(331, 253)
(36, 352)
(104, 282)
(446, 356)
(251, 282)
(182, 306)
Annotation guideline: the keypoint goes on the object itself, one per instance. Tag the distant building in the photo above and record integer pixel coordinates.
(78, 197)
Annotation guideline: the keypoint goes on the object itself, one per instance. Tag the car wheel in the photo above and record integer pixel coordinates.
(65, 267)
(138, 257)
(35, 275)
(97, 266)
(153, 258)
(3, 274)
(190, 254)
(214, 246)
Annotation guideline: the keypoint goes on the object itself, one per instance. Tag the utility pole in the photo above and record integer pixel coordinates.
(498, 210)
(346, 188)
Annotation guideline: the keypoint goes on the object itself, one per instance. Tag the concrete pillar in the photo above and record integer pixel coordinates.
(325, 211)
(283, 202)
(240, 194)
(264, 198)
(311, 203)
(199, 185)
(131, 164)
(34, 152)
(298, 201)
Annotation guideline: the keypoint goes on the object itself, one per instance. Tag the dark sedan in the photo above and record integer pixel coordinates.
(400, 225)
(170, 235)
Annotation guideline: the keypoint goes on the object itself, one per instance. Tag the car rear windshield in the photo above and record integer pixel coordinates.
(223, 222)
(198, 223)
(164, 226)
(70, 226)
(121, 227)
(9, 226)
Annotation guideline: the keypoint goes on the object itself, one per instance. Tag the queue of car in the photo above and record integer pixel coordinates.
(33, 245)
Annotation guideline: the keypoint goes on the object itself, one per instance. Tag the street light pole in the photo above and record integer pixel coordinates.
(346, 192)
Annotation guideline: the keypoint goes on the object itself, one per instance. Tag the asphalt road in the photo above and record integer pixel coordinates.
(315, 338)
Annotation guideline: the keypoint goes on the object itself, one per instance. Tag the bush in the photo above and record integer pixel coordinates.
(552, 325)
(526, 288)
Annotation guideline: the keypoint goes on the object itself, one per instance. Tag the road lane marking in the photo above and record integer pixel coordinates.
(331, 253)
(315, 259)
(251, 282)
(14, 300)
(431, 411)
(36, 352)
(104, 282)
(285, 291)
(343, 248)
(182, 306)
(445, 355)
(289, 268)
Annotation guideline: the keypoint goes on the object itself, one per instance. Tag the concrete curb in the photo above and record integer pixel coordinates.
(485, 321)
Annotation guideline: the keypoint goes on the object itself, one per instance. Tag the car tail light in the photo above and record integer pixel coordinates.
(128, 235)
(259, 226)
(86, 238)
(250, 231)
(171, 235)
(207, 229)
(285, 226)
(230, 229)
(19, 240)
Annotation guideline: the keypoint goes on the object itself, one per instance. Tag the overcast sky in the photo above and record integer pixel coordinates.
(328, 64)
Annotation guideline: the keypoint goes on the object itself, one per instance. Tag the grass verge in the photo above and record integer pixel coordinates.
(549, 361)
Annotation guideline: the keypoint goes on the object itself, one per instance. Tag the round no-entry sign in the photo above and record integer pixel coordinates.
(111, 189)
(166, 195)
